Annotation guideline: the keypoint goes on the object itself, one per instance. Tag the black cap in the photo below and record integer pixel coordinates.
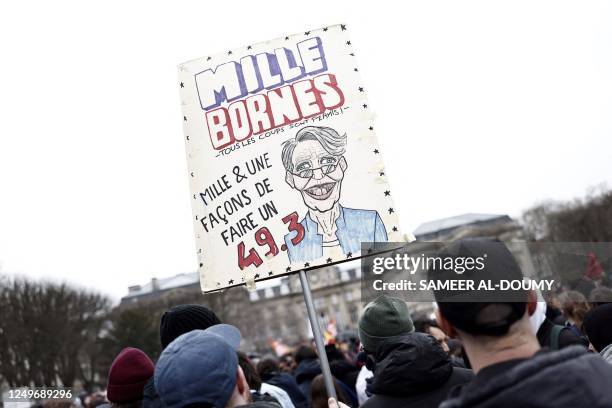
(480, 312)
(182, 319)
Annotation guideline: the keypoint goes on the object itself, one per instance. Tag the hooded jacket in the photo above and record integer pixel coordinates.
(567, 378)
(413, 370)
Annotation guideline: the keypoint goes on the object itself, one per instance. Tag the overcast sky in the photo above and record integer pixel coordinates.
(481, 106)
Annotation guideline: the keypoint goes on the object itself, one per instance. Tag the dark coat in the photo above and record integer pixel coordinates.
(567, 378)
(150, 398)
(412, 370)
(305, 372)
(288, 383)
(344, 372)
(566, 337)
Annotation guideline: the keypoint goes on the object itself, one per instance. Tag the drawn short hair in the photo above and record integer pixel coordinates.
(332, 142)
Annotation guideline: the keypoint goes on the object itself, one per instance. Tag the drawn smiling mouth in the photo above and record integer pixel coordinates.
(320, 191)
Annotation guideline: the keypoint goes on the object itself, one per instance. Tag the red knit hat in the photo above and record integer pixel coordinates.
(128, 375)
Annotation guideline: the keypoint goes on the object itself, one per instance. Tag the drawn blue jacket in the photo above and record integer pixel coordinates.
(354, 226)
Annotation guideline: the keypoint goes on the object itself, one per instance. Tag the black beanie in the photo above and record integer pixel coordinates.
(182, 319)
(598, 326)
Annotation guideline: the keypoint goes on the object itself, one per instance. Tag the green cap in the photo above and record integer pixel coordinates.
(383, 318)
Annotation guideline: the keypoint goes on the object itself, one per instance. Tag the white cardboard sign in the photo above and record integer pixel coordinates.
(284, 164)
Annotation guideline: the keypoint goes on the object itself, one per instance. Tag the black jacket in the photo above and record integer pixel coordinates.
(288, 383)
(150, 399)
(567, 378)
(305, 372)
(412, 370)
(566, 336)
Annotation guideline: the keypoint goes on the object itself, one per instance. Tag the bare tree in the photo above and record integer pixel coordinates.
(44, 329)
(581, 220)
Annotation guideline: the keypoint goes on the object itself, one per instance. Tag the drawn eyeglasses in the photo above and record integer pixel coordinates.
(325, 169)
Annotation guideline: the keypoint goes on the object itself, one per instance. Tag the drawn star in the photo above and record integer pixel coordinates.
(371, 128)
(329, 260)
(325, 29)
(256, 276)
(288, 269)
(307, 33)
(387, 193)
(185, 118)
(394, 229)
(365, 106)
(343, 27)
(391, 210)
(249, 47)
(229, 53)
(348, 43)
(270, 273)
(306, 265)
(230, 282)
(360, 89)
(182, 85)
(355, 69)
(208, 59)
(349, 255)
(376, 151)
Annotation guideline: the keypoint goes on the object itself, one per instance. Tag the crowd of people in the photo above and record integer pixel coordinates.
(535, 352)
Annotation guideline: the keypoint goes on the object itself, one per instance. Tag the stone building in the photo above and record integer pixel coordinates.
(275, 309)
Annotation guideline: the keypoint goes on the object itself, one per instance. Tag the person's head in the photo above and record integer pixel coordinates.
(600, 296)
(127, 376)
(200, 369)
(287, 363)
(574, 307)
(318, 392)
(250, 373)
(267, 367)
(490, 327)
(182, 319)
(598, 326)
(383, 318)
(305, 353)
(428, 326)
(314, 165)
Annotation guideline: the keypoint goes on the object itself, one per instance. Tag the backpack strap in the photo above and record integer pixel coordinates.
(555, 333)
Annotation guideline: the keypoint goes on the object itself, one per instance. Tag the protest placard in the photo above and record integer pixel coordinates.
(284, 165)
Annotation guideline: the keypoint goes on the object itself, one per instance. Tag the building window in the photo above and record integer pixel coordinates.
(354, 314)
(319, 303)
